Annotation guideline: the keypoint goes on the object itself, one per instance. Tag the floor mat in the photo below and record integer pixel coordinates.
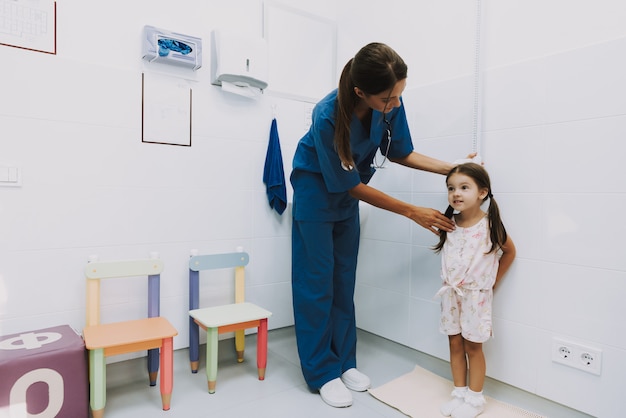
(419, 393)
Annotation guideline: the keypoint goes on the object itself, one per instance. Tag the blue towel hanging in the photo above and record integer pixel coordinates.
(274, 174)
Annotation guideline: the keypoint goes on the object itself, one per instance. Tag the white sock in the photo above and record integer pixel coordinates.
(475, 398)
(458, 399)
(473, 406)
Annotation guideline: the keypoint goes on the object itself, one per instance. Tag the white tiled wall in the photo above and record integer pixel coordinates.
(553, 128)
(72, 123)
(554, 119)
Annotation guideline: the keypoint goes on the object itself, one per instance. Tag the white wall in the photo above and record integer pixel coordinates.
(72, 123)
(554, 118)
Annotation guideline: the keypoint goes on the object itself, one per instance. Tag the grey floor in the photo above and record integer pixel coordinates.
(283, 393)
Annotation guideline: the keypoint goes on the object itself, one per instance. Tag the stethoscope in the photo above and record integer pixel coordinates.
(388, 130)
(386, 153)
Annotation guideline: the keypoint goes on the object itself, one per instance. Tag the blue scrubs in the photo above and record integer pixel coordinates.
(326, 232)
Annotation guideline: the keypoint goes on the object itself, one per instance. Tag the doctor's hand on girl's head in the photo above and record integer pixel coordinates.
(431, 219)
(471, 158)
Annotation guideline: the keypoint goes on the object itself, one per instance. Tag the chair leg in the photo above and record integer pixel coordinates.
(240, 343)
(194, 332)
(97, 382)
(194, 343)
(261, 350)
(211, 358)
(153, 365)
(167, 371)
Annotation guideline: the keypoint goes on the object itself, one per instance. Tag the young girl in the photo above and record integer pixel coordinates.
(474, 257)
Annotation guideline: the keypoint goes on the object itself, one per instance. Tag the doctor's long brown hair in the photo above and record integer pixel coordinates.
(374, 69)
(497, 231)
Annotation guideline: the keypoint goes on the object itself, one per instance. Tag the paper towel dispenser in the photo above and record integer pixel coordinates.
(167, 47)
(238, 60)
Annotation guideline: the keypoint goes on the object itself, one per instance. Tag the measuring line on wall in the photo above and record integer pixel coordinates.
(478, 81)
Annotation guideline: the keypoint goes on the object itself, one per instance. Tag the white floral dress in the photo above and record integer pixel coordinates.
(468, 275)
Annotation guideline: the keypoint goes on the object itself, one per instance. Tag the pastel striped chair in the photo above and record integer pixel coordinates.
(216, 320)
(151, 333)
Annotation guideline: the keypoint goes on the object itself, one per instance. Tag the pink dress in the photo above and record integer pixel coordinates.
(468, 275)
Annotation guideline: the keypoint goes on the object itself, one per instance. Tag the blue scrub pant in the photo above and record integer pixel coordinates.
(324, 256)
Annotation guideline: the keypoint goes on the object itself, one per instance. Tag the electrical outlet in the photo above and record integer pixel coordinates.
(577, 356)
(564, 352)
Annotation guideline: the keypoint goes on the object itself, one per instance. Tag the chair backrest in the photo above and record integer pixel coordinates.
(236, 260)
(98, 270)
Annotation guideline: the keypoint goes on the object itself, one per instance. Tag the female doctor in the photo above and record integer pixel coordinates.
(332, 165)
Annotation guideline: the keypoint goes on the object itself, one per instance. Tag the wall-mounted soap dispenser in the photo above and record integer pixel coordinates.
(238, 61)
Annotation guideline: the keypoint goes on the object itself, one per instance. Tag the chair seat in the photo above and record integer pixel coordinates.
(234, 313)
(128, 333)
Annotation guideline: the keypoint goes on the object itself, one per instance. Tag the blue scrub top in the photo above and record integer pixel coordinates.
(319, 182)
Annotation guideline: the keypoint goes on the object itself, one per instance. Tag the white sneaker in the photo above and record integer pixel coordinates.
(355, 380)
(335, 393)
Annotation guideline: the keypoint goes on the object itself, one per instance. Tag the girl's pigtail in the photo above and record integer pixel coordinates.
(496, 226)
(442, 234)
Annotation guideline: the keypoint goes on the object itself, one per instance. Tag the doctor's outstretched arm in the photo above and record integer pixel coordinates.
(428, 218)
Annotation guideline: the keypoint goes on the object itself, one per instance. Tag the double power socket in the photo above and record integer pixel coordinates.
(576, 355)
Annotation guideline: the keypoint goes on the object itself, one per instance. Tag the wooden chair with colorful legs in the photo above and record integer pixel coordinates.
(234, 317)
(153, 333)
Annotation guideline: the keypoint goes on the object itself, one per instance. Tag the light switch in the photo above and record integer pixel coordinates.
(10, 177)
(13, 174)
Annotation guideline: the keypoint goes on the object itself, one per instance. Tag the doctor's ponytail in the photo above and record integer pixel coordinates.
(346, 100)
(374, 69)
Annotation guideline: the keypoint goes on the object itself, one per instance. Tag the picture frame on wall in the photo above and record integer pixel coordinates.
(29, 24)
(165, 110)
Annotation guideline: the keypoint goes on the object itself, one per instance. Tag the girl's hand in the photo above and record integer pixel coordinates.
(431, 219)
